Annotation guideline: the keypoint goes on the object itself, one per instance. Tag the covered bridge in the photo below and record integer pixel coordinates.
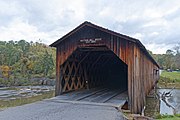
(91, 56)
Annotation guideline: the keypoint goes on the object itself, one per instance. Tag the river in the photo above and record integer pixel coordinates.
(173, 99)
(7, 93)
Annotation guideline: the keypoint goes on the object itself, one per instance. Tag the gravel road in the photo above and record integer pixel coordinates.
(51, 110)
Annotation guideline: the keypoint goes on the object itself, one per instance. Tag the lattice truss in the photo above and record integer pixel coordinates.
(72, 76)
(84, 69)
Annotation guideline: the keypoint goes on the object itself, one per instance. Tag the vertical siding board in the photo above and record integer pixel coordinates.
(138, 80)
(142, 82)
(115, 45)
(134, 83)
(118, 48)
(130, 75)
(57, 72)
(124, 53)
(133, 77)
(111, 43)
(127, 53)
(142, 79)
(123, 50)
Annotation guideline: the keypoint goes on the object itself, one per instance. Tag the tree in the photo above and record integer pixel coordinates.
(177, 48)
(47, 63)
(169, 52)
(177, 56)
(5, 71)
(24, 46)
(169, 59)
(22, 60)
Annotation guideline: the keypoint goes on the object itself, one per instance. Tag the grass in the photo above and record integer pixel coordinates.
(168, 117)
(22, 101)
(173, 76)
(169, 80)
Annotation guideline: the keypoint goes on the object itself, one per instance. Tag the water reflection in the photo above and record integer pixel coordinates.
(173, 100)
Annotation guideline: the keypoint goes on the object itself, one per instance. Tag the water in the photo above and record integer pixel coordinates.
(7, 93)
(173, 100)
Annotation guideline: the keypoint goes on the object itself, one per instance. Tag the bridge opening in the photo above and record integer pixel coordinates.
(93, 67)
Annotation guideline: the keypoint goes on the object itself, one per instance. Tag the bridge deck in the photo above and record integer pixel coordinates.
(98, 96)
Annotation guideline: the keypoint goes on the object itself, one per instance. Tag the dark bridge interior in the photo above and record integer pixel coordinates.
(93, 67)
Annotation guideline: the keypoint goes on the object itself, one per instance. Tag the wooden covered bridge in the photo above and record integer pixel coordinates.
(91, 56)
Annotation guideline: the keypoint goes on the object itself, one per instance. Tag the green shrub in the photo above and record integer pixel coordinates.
(177, 115)
(161, 116)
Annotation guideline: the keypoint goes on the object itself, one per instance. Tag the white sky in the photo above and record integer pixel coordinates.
(156, 23)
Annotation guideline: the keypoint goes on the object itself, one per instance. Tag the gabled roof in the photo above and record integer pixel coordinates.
(86, 23)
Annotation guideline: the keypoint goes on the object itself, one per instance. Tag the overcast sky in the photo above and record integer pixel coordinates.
(156, 23)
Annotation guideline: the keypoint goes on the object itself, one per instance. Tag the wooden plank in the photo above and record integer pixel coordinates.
(110, 96)
(58, 85)
(85, 95)
(115, 45)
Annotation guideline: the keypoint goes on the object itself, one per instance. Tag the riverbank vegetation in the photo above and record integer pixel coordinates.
(168, 117)
(21, 60)
(169, 80)
(173, 76)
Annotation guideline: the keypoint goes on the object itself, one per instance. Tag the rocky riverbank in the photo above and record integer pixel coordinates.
(43, 81)
(26, 82)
